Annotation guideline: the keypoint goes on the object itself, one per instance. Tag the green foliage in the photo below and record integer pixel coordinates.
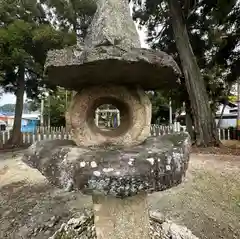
(55, 107)
(77, 13)
(28, 30)
(214, 32)
(160, 108)
(160, 105)
(26, 34)
(7, 108)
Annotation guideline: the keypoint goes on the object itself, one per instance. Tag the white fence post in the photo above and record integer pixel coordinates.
(228, 135)
(61, 133)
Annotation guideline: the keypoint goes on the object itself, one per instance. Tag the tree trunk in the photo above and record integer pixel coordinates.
(205, 126)
(189, 121)
(16, 136)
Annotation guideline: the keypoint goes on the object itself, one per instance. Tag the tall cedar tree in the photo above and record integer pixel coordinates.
(26, 35)
(202, 48)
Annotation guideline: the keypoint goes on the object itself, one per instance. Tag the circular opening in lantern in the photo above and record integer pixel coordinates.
(109, 117)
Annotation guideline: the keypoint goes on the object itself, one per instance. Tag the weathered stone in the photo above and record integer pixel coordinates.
(114, 217)
(81, 227)
(118, 167)
(111, 54)
(157, 164)
(113, 25)
(160, 228)
(75, 68)
(135, 109)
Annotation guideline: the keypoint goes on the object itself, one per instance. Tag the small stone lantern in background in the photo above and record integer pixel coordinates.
(117, 167)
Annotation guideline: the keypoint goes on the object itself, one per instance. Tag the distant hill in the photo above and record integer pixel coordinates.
(10, 108)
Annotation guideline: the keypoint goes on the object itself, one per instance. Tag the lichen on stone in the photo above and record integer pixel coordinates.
(160, 228)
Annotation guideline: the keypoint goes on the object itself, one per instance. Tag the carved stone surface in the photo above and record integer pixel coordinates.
(75, 68)
(112, 25)
(111, 54)
(118, 167)
(135, 110)
(157, 164)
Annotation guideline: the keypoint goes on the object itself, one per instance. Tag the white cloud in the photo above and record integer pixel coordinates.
(8, 98)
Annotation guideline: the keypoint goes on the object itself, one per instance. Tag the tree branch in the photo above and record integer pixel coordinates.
(194, 8)
(34, 72)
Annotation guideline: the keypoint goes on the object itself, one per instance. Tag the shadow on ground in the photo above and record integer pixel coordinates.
(36, 211)
(208, 202)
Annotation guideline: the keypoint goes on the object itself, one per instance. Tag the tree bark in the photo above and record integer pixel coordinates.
(205, 126)
(189, 121)
(238, 104)
(16, 136)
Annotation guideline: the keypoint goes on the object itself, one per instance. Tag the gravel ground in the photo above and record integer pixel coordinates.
(208, 202)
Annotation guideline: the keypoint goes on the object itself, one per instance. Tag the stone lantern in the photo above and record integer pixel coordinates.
(117, 167)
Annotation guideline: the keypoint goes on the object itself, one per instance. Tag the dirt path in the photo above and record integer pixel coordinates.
(208, 202)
